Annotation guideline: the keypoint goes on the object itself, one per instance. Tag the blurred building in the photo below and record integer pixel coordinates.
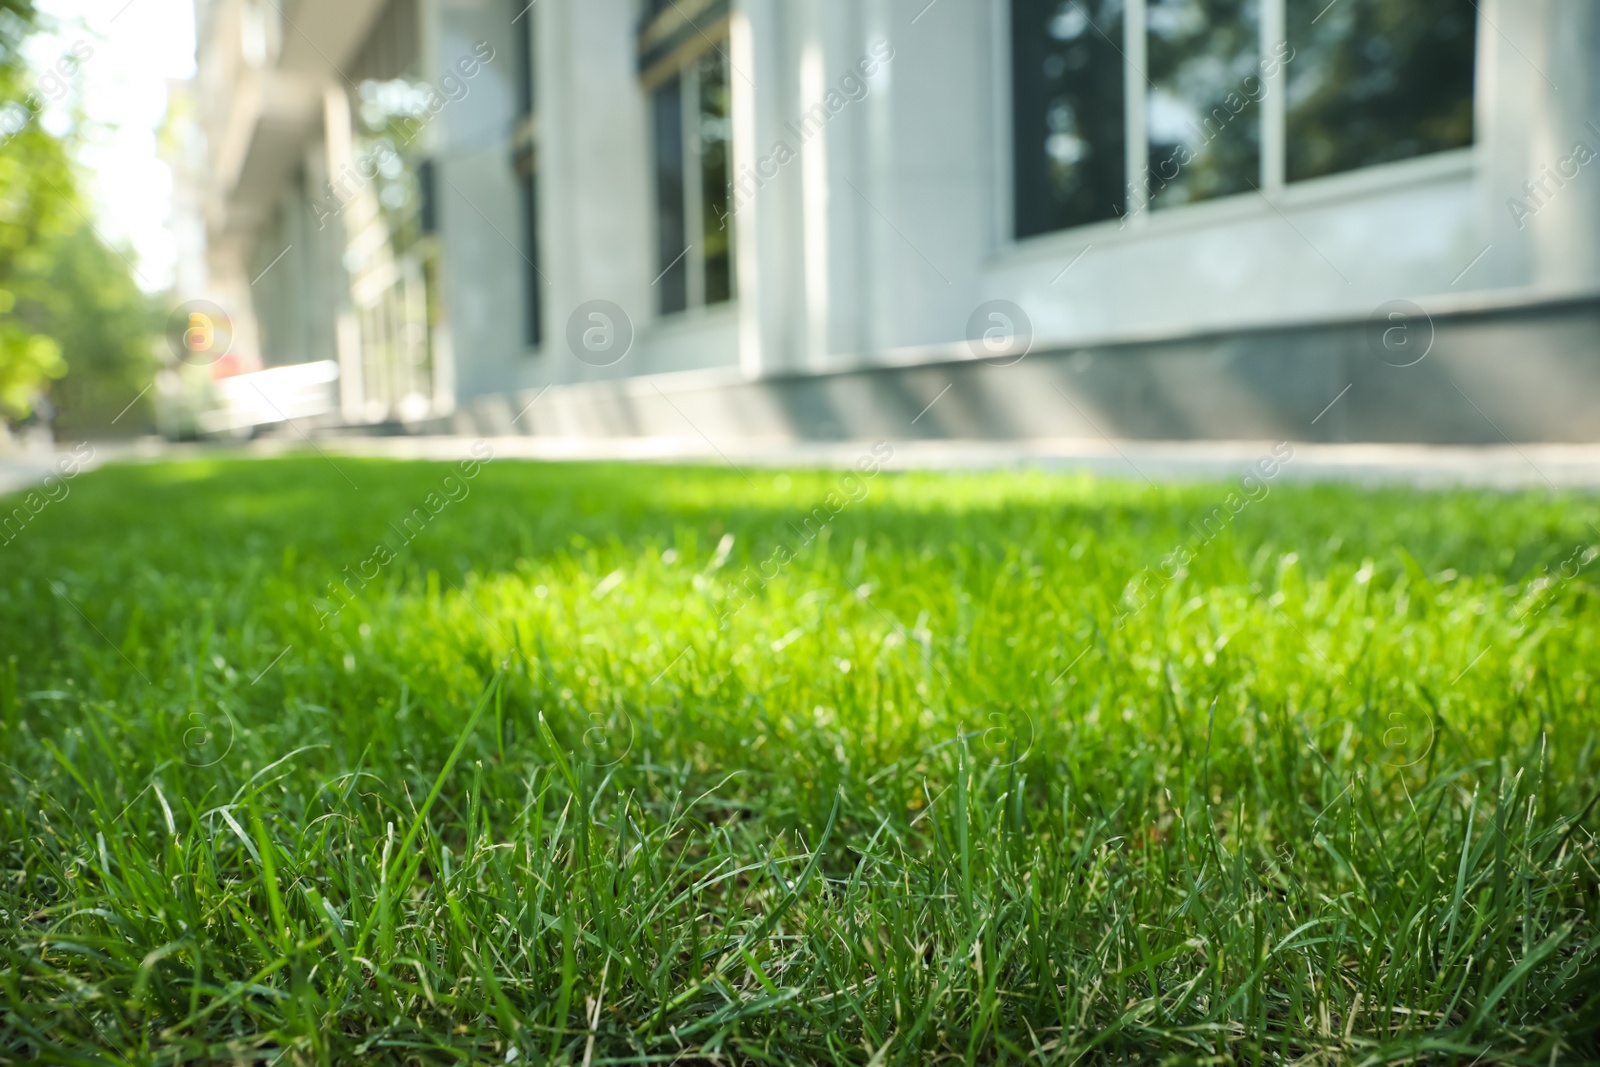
(816, 218)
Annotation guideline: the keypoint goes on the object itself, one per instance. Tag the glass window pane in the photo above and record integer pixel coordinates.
(525, 159)
(1377, 80)
(528, 190)
(714, 138)
(667, 105)
(1203, 107)
(1068, 100)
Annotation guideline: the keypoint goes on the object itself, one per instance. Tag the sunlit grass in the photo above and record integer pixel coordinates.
(633, 765)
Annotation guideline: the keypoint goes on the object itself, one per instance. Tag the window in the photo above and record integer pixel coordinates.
(1124, 105)
(713, 144)
(525, 160)
(1068, 112)
(692, 163)
(666, 107)
(1376, 80)
(1203, 109)
(385, 200)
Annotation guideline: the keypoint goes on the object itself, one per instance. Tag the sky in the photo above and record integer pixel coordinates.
(133, 48)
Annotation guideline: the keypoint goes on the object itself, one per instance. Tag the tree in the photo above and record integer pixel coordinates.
(82, 297)
(69, 309)
(35, 183)
(16, 22)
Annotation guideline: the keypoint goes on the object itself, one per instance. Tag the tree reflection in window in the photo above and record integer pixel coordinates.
(1068, 112)
(392, 114)
(1373, 81)
(716, 135)
(1204, 104)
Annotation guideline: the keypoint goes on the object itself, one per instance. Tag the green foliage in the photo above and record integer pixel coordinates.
(16, 19)
(85, 299)
(67, 302)
(36, 209)
(27, 361)
(631, 765)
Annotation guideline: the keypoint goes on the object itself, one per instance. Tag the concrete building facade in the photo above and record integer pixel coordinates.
(777, 219)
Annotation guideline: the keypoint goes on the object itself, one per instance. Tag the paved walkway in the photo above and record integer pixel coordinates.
(1427, 466)
(22, 468)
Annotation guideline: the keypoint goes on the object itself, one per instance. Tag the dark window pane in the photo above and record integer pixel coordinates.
(522, 51)
(1067, 102)
(525, 160)
(1203, 108)
(427, 198)
(530, 237)
(714, 135)
(653, 8)
(667, 105)
(1377, 80)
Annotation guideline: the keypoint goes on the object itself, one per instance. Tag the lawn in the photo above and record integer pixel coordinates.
(499, 762)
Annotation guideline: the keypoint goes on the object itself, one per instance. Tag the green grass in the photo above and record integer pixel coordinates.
(947, 788)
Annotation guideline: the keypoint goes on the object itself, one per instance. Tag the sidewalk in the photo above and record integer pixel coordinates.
(1423, 466)
(1426, 466)
(26, 467)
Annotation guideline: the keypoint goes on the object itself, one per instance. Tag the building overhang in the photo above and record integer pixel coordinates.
(275, 109)
(321, 38)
